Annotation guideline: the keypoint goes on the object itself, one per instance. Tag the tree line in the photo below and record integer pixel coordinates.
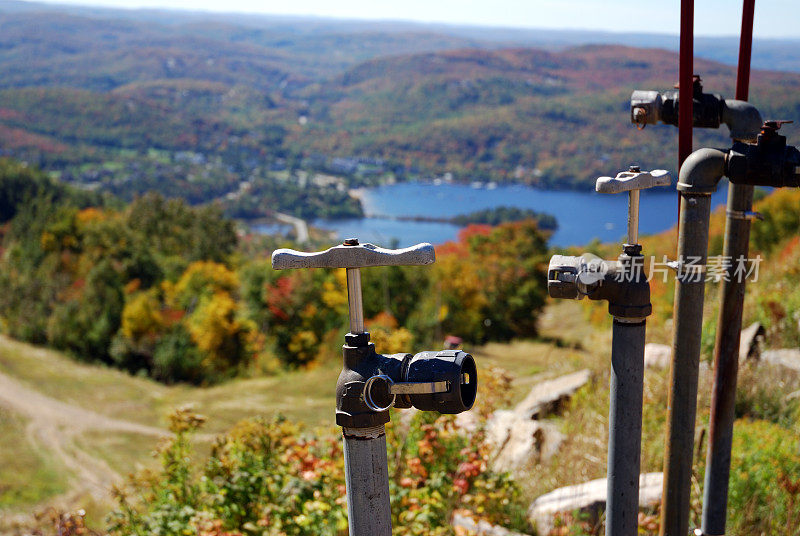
(176, 292)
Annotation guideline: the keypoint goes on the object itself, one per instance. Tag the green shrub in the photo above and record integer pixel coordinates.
(277, 478)
(176, 358)
(764, 496)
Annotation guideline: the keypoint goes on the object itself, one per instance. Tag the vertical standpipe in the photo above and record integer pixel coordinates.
(366, 466)
(629, 303)
(769, 162)
(726, 366)
(363, 431)
(625, 426)
(699, 177)
(367, 479)
(729, 325)
(682, 401)
(370, 383)
(685, 89)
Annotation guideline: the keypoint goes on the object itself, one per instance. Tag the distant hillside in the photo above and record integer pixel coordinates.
(250, 112)
(357, 40)
(556, 119)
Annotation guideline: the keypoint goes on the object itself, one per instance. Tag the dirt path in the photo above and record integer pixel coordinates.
(54, 426)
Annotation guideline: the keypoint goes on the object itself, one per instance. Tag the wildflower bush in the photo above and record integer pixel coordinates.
(275, 477)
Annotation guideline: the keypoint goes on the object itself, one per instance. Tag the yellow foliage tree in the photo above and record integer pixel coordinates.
(391, 341)
(334, 292)
(202, 279)
(304, 345)
(142, 317)
(217, 331)
(387, 336)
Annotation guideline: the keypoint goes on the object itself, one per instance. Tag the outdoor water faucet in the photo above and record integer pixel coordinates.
(371, 383)
(709, 110)
(624, 285)
(768, 162)
(620, 282)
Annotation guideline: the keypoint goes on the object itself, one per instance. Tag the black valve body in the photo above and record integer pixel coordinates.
(706, 109)
(768, 162)
(444, 365)
(362, 362)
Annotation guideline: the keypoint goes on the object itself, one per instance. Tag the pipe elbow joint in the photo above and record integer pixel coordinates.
(742, 118)
(702, 171)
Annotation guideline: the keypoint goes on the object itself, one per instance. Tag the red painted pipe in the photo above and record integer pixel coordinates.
(685, 81)
(685, 87)
(677, 464)
(745, 50)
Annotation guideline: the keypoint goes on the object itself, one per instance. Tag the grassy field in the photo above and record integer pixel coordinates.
(31, 474)
(33, 477)
(28, 474)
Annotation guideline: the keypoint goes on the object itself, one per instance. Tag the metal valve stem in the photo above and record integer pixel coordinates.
(633, 211)
(632, 181)
(633, 217)
(355, 303)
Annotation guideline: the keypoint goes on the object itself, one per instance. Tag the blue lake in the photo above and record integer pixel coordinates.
(582, 216)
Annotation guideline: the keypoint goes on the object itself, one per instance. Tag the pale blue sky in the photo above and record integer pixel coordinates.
(774, 18)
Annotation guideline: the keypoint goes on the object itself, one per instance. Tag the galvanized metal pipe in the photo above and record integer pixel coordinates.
(682, 401)
(625, 427)
(729, 324)
(367, 479)
(726, 367)
(355, 301)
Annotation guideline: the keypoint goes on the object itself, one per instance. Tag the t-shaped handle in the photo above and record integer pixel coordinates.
(353, 256)
(632, 181)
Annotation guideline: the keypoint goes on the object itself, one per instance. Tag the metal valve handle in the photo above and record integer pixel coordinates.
(354, 256)
(632, 181)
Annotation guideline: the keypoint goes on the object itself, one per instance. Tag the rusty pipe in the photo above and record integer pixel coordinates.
(729, 324)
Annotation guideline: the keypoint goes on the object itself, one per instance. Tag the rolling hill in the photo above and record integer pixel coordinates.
(206, 107)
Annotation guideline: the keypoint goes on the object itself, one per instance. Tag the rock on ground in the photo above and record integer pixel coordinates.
(465, 524)
(548, 397)
(750, 341)
(517, 437)
(657, 356)
(785, 357)
(516, 441)
(588, 497)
